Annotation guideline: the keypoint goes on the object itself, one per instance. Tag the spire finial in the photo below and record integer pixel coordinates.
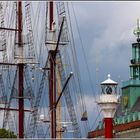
(137, 31)
(108, 76)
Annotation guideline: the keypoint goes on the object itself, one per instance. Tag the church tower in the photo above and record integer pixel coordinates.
(131, 88)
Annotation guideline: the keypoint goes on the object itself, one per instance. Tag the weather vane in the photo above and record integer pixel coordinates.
(137, 31)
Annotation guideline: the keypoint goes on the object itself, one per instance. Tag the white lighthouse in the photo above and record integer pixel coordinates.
(108, 102)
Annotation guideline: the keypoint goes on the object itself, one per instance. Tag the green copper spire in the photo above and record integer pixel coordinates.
(131, 88)
(137, 31)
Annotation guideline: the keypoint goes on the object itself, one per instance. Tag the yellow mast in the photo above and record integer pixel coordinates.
(59, 105)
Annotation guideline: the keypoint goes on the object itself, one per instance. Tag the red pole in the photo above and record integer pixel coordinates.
(108, 127)
(20, 75)
(52, 90)
(52, 81)
(21, 102)
(51, 14)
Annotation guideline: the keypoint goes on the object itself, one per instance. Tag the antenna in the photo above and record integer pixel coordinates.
(137, 31)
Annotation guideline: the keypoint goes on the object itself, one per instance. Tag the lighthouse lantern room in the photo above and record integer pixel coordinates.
(108, 102)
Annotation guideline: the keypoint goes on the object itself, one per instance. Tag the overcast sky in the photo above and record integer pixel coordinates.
(107, 33)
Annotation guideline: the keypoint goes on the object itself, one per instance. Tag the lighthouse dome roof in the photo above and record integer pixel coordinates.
(109, 81)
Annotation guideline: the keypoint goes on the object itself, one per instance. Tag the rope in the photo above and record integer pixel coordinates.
(89, 76)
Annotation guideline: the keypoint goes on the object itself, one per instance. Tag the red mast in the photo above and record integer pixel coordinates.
(20, 75)
(52, 79)
(51, 14)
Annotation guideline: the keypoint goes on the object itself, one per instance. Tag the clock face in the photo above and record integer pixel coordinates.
(108, 90)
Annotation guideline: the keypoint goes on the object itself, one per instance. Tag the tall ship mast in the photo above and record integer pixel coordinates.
(41, 92)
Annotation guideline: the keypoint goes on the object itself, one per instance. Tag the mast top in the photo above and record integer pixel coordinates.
(137, 31)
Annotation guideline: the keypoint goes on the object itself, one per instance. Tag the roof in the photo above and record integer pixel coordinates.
(119, 111)
(136, 106)
(109, 81)
(117, 128)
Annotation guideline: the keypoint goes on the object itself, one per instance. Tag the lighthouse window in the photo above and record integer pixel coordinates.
(103, 89)
(108, 90)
